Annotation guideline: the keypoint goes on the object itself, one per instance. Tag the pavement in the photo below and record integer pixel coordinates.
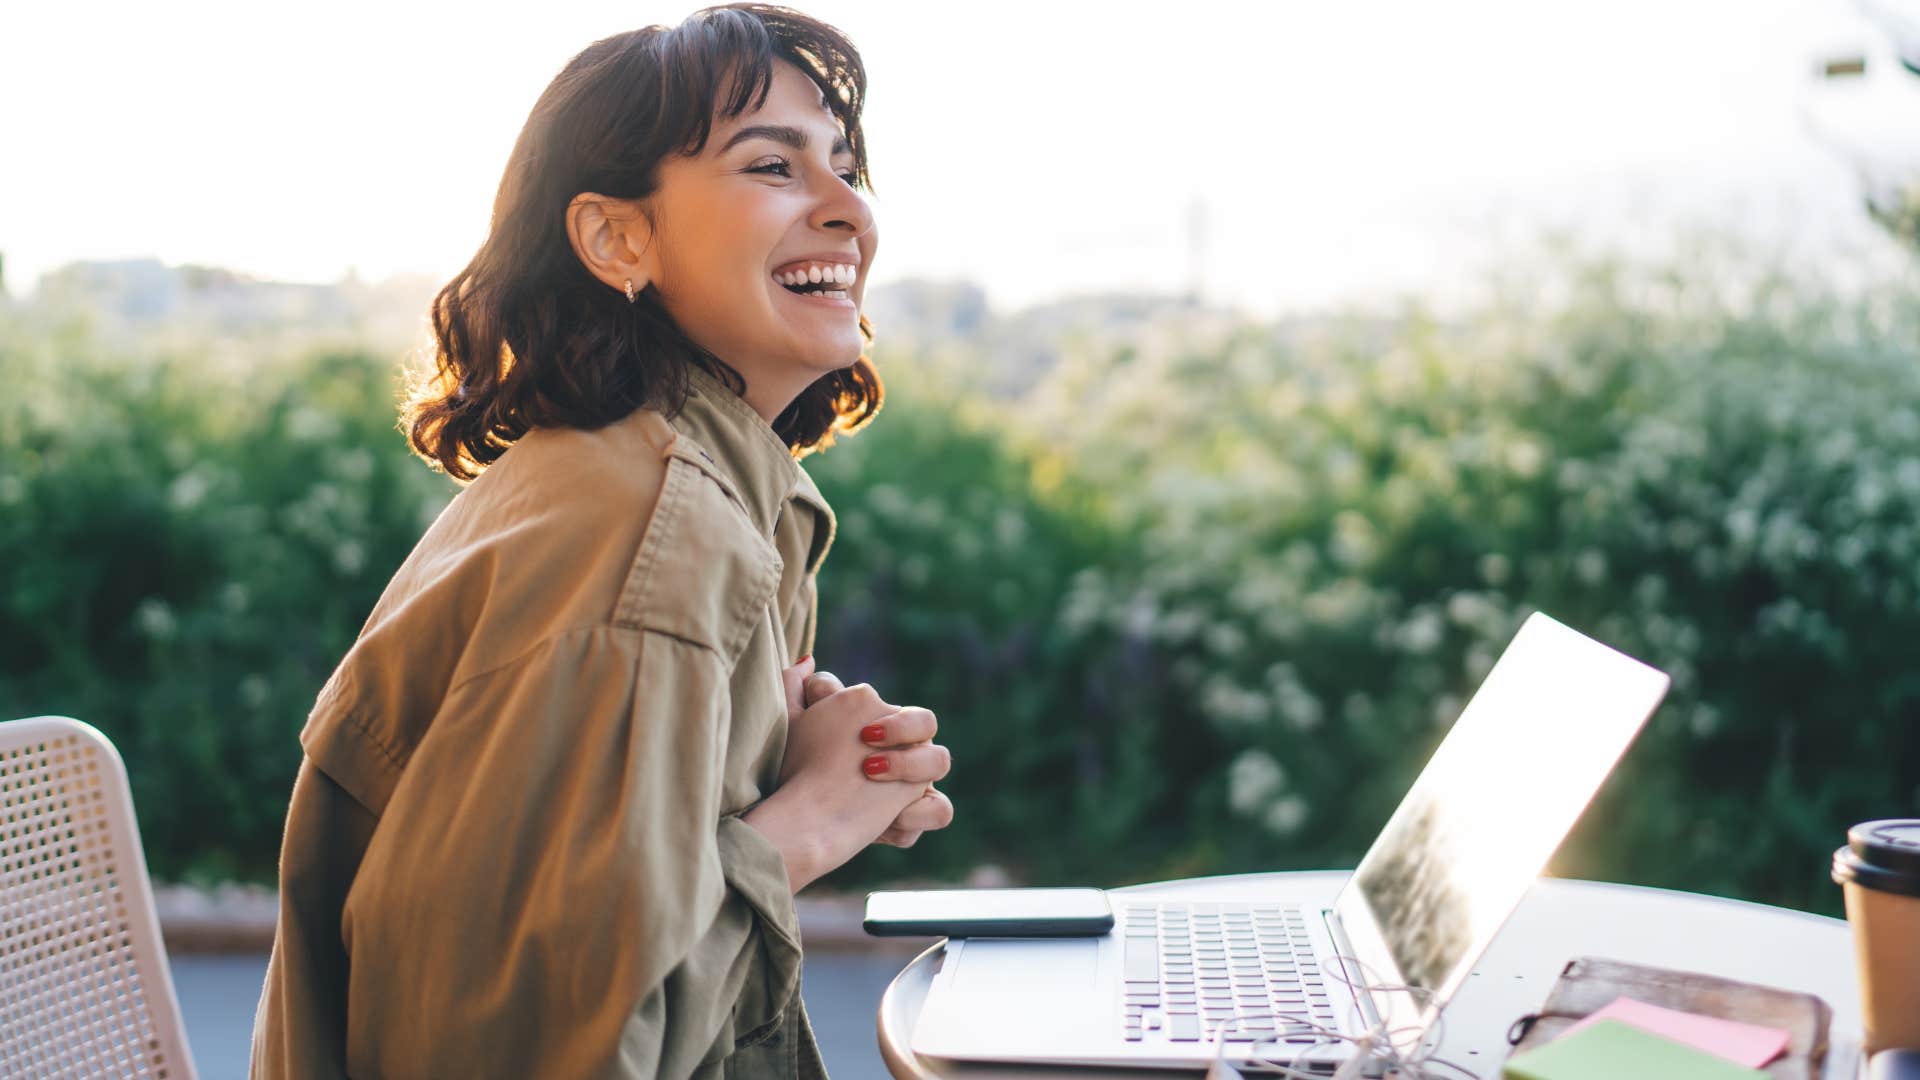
(218, 994)
(217, 943)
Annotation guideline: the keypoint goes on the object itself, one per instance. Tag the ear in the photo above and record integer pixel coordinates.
(612, 239)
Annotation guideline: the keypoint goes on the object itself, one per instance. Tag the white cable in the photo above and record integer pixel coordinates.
(1374, 1044)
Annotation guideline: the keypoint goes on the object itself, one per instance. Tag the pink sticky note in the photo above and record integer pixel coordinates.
(1745, 1044)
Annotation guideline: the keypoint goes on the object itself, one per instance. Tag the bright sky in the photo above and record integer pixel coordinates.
(1338, 150)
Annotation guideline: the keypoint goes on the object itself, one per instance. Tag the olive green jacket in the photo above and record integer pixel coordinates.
(514, 846)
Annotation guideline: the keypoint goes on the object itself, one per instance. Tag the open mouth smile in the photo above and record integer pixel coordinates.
(821, 281)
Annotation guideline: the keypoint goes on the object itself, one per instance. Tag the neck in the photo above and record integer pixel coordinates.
(768, 404)
(769, 394)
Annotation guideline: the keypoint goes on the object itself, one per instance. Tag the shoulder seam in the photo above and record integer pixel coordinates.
(396, 763)
(688, 449)
(544, 641)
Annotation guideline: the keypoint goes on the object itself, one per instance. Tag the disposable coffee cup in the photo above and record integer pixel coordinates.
(1879, 872)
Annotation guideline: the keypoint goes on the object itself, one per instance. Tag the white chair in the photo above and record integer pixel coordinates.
(84, 985)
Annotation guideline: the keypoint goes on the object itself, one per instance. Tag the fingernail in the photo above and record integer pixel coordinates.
(803, 659)
(875, 765)
(873, 733)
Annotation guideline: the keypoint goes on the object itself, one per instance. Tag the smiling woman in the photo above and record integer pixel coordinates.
(730, 231)
(557, 798)
(689, 166)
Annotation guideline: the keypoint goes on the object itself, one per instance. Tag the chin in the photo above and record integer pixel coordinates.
(833, 358)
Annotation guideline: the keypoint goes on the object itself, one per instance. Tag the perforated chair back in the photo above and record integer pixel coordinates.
(84, 985)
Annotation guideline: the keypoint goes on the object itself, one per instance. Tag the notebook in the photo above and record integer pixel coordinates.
(1612, 1050)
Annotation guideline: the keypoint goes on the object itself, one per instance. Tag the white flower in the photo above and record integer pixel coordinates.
(1591, 567)
(1353, 541)
(1422, 631)
(188, 489)
(355, 464)
(1253, 780)
(1232, 705)
(1495, 568)
(1524, 458)
(1010, 529)
(254, 691)
(888, 501)
(309, 424)
(349, 556)
(1299, 709)
(1225, 639)
(1286, 815)
(155, 619)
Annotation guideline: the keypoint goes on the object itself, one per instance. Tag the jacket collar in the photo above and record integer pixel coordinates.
(756, 461)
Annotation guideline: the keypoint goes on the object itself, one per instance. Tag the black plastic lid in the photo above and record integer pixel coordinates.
(1881, 855)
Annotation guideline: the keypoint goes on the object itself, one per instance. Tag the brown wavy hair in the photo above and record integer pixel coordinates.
(525, 336)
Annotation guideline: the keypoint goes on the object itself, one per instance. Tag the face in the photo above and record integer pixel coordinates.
(766, 205)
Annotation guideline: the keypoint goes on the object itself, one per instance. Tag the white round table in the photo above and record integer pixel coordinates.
(1557, 921)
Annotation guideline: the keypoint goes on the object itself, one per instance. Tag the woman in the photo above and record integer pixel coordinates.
(557, 798)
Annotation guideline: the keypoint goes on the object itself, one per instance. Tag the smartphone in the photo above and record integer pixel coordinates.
(959, 913)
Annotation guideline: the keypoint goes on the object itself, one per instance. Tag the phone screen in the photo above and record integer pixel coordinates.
(1013, 912)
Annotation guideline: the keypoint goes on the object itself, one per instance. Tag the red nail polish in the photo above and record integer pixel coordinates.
(873, 733)
(875, 765)
(803, 659)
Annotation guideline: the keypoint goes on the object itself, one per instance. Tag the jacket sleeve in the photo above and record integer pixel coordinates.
(566, 897)
(300, 1025)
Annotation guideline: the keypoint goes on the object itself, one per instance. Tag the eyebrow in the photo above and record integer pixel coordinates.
(784, 134)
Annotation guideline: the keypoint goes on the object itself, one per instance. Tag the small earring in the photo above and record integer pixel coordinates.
(630, 293)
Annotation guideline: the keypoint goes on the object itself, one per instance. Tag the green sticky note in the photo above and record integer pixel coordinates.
(1610, 1050)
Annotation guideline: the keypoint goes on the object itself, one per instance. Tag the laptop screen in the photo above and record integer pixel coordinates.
(1524, 759)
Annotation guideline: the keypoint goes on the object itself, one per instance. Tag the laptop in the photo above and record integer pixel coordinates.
(1524, 758)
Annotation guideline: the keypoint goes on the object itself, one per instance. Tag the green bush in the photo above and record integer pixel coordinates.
(943, 589)
(1343, 524)
(185, 554)
(1199, 601)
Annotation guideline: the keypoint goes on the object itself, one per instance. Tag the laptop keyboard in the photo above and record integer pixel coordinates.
(1188, 967)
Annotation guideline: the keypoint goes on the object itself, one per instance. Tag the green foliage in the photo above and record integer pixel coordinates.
(1200, 602)
(1320, 538)
(942, 589)
(187, 554)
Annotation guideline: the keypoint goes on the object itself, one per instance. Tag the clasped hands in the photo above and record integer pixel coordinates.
(857, 771)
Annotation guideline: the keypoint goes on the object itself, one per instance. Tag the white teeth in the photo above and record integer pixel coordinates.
(835, 273)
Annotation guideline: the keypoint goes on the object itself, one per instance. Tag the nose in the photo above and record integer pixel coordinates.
(844, 210)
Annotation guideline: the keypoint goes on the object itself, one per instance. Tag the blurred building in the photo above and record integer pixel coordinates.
(140, 295)
(1006, 354)
(1866, 107)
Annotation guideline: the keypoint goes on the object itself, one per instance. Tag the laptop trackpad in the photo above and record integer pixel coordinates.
(1015, 984)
